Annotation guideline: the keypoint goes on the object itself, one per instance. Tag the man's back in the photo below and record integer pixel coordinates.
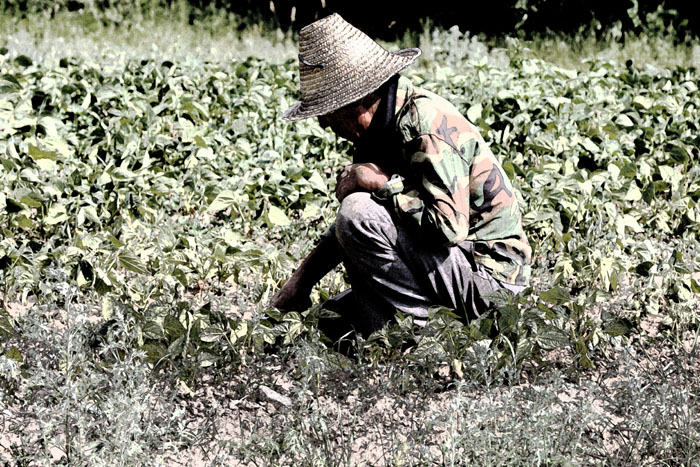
(451, 165)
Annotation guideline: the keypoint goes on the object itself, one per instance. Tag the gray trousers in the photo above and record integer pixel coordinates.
(391, 269)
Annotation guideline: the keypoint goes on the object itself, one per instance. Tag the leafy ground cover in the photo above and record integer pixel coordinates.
(151, 205)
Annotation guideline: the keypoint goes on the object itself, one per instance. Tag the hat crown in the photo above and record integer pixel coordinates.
(333, 42)
(339, 64)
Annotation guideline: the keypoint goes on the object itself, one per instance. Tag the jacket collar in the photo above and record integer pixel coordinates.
(378, 138)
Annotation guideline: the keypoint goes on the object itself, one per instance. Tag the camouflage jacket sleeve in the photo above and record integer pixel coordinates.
(438, 145)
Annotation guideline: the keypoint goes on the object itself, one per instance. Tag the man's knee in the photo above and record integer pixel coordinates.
(356, 207)
(362, 216)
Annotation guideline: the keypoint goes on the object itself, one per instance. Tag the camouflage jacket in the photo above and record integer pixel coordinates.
(448, 185)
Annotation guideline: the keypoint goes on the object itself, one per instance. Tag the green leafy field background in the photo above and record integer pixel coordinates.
(151, 206)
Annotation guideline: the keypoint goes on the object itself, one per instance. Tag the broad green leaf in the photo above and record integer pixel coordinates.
(173, 327)
(56, 215)
(317, 182)
(206, 359)
(13, 353)
(310, 211)
(590, 146)
(153, 329)
(474, 112)
(30, 175)
(32, 200)
(184, 388)
(87, 212)
(80, 279)
(508, 318)
(7, 324)
(586, 187)
(155, 351)
(617, 328)
(690, 86)
(668, 174)
(230, 237)
(643, 102)
(115, 241)
(206, 154)
(104, 276)
(180, 276)
(212, 334)
(25, 222)
(633, 194)
(678, 153)
(106, 93)
(614, 171)
(199, 141)
(509, 169)
(8, 164)
(85, 104)
(627, 221)
(47, 165)
(223, 200)
(557, 101)
(556, 296)
(624, 121)
(551, 337)
(104, 179)
(37, 154)
(277, 217)
(240, 331)
(130, 261)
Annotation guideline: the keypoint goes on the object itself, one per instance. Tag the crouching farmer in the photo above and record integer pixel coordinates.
(427, 214)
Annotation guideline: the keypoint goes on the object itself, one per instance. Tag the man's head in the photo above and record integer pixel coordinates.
(339, 66)
(353, 120)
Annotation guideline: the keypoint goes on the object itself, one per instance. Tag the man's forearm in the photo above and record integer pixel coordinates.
(322, 259)
(295, 292)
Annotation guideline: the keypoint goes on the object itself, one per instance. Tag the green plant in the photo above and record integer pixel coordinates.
(152, 201)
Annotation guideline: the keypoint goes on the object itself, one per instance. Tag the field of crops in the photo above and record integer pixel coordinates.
(151, 207)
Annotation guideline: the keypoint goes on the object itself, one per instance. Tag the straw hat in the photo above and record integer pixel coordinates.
(339, 64)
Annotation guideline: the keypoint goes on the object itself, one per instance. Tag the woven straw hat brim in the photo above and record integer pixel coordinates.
(339, 65)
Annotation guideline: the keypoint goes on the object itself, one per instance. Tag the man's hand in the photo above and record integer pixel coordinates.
(359, 177)
(291, 297)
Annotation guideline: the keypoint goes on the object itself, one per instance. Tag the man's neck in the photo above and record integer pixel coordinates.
(384, 109)
(376, 144)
